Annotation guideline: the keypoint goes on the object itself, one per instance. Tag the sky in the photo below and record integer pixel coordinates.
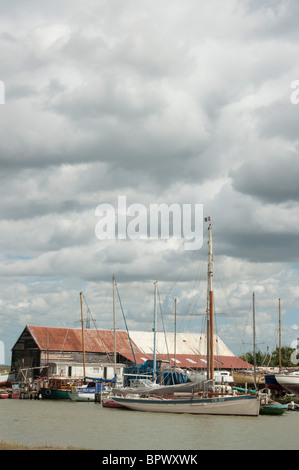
(170, 102)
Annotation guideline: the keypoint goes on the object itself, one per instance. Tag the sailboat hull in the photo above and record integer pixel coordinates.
(289, 382)
(53, 394)
(82, 396)
(242, 379)
(232, 405)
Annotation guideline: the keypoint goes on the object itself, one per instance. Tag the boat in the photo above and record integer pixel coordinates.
(7, 378)
(59, 388)
(95, 386)
(271, 383)
(273, 409)
(256, 378)
(146, 374)
(293, 406)
(4, 393)
(15, 391)
(83, 393)
(289, 382)
(146, 387)
(238, 405)
(248, 377)
(269, 406)
(244, 390)
(270, 379)
(283, 381)
(220, 376)
(112, 404)
(207, 402)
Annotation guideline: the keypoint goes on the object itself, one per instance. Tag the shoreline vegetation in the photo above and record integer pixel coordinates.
(13, 446)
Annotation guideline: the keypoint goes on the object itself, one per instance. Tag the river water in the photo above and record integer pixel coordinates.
(65, 423)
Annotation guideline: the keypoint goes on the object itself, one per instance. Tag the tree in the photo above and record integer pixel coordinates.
(248, 357)
(287, 357)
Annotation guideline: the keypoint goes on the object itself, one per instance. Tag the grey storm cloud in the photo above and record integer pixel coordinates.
(272, 180)
(164, 102)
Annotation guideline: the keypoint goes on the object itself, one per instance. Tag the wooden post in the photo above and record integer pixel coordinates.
(83, 339)
(114, 324)
(211, 313)
(279, 334)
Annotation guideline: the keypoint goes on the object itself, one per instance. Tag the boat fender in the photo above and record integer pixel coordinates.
(48, 392)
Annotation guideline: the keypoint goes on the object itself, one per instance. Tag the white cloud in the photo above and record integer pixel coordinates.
(174, 102)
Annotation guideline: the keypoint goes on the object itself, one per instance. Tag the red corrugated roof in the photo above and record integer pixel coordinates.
(70, 339)
(194, 361)
(102, 341)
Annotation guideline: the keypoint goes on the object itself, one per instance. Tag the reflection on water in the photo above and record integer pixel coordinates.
(89, 425)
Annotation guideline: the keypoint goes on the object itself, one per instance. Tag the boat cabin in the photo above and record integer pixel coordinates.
(73, 369)
(63, 383)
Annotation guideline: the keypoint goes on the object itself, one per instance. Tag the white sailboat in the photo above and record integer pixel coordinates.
(226, 405)
(289, 382)
(83, 393)
(250, 377)
(210, 403)
(7, 378)
(86, 391)
(95, 385)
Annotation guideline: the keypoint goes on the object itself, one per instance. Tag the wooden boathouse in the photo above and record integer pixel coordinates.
(58, 351)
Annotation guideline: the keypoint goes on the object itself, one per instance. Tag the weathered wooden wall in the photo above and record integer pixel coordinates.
(26, 354)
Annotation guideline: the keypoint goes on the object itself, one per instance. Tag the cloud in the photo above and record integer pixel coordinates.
(164, 103)
(272, 179)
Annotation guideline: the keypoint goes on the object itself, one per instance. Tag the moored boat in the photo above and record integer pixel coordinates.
(238, 405)
(95, 386)
(83, 393)
(293, 406)
(15, 391)
(273, 409)
(7, 378)
(270, 407)
(59, 388)
(4, 393)
(248, 377)
(111, 404)
(271, 383)
(290, 382)
(211, 403)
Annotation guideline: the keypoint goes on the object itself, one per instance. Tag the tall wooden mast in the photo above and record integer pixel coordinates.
(174, 346)
(114, 324)
(254, 348)
(155, 330)
(279, 334)
(211, 303)
(83, 339)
